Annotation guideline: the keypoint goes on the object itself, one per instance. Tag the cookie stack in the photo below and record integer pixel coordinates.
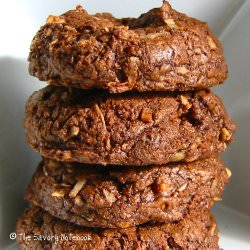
(129, 133)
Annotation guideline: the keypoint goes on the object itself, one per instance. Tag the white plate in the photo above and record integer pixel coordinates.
(19, 21)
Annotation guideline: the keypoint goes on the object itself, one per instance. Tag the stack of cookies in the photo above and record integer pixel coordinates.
(129, 132)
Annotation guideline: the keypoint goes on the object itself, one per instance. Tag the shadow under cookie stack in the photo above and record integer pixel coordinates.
(129, 132)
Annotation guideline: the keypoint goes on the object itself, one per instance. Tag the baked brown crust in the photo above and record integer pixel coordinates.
(127, 129)
(194, 232)
(161, 50)
(118, 197)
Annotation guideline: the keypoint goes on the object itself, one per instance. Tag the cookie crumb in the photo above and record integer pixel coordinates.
(58, 193)
(182, 70)
(55, 19)
(171, 23)
(109, 196)
(146, 115)
(216, 198)
(211, 43)
(183, 187)
(76, 189)
(229, 173)
(225, 135)
(74, 131)
(185, 102)
(178, 156)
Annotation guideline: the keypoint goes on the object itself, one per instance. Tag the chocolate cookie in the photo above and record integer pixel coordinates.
(126, 129)
(194, 232)
(161, 50)
(119, 197)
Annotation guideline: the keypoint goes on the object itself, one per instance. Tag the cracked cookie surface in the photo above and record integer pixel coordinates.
(118, 197)
(126, 129)
(162, 50)
(194, 232)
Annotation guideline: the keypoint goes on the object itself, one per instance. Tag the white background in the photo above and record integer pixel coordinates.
(20, 19)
